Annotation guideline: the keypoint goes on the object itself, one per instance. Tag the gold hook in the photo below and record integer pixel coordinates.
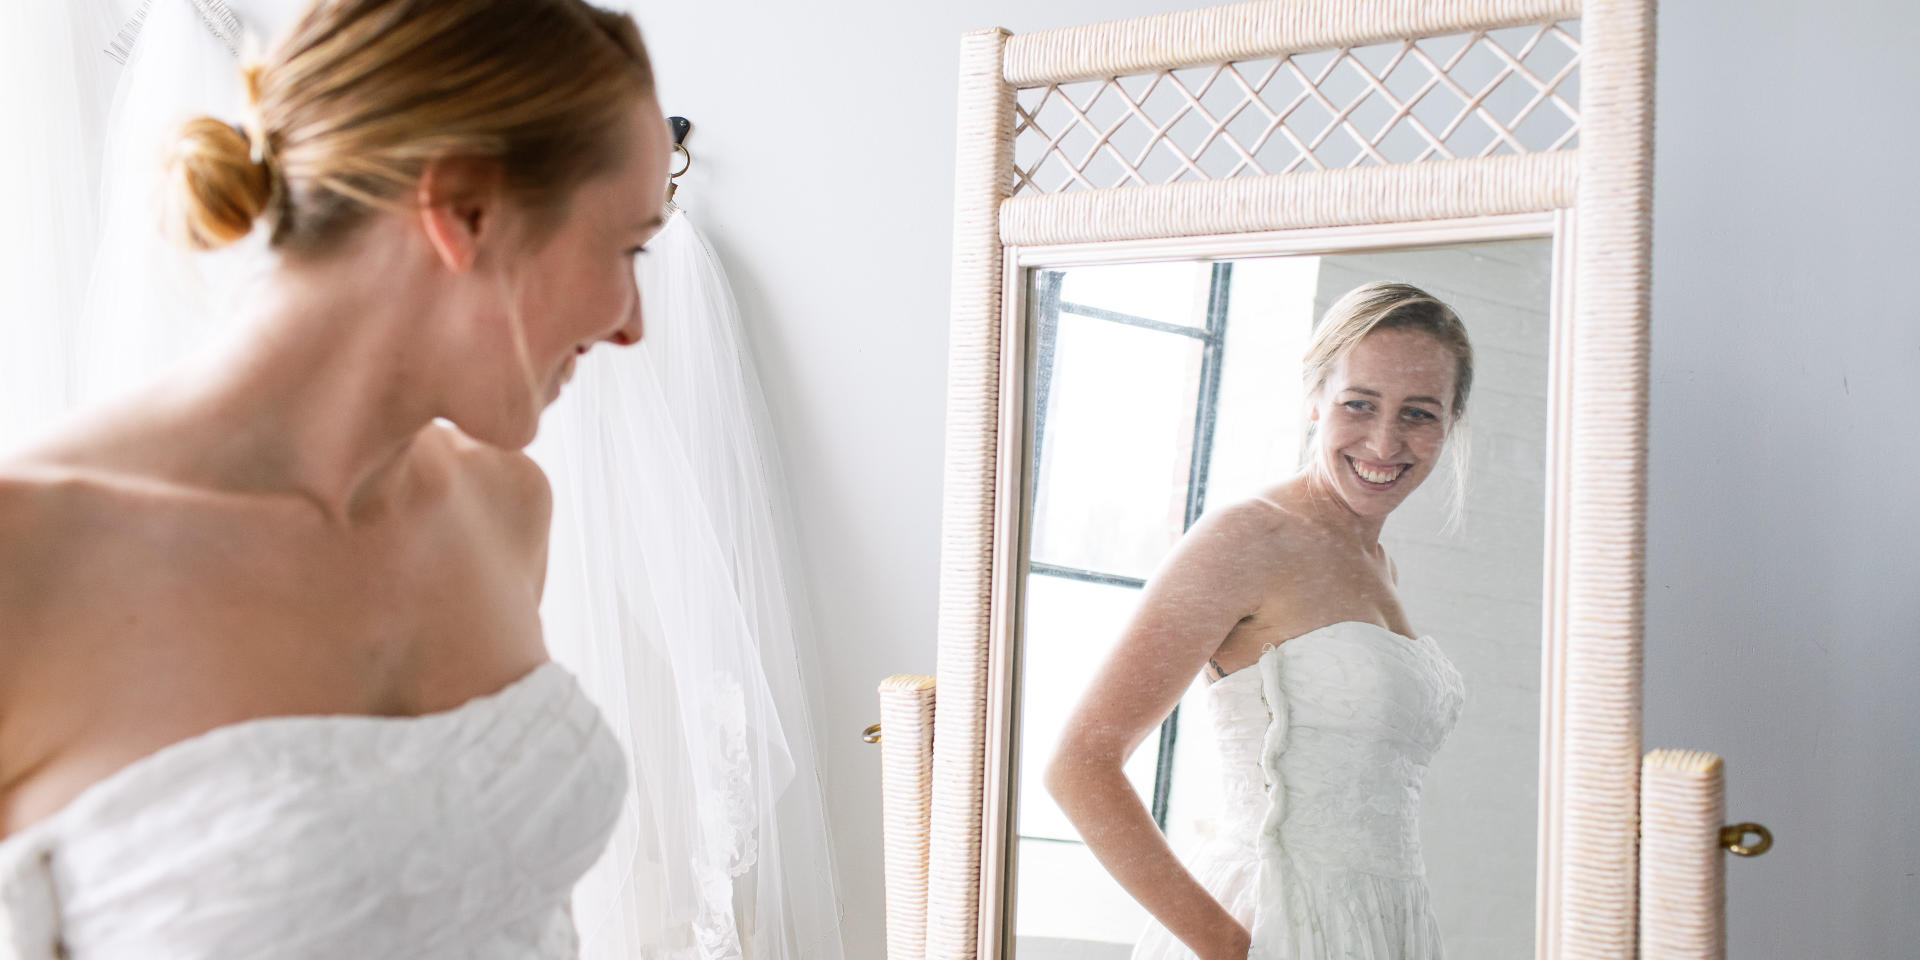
(871, 734)
(679, 127)
(673, 177)
(1732, 836)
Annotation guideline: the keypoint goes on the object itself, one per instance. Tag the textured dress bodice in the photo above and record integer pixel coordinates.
(1323, 745)
(454, 834)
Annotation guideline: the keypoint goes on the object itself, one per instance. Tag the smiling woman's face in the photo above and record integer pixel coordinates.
(1382, 419)
(560, 296)
(580, 285)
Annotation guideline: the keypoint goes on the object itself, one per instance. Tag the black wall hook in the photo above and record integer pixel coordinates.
(679, 127)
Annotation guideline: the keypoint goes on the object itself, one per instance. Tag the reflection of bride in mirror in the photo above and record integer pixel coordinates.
(1326, 707)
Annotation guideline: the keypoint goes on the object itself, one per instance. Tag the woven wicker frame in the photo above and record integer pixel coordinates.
(1596, 500)
(906, 780)
(1683, 870)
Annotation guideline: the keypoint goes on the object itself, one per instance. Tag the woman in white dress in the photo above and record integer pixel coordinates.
(272, 680)
(1327, 707)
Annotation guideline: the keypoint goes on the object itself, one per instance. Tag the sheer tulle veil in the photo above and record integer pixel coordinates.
(669, 591)
(666, 527)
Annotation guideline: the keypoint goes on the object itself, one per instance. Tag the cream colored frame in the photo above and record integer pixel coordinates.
(1596, 499)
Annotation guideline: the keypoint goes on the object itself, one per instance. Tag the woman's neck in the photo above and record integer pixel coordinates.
(1336, 515)
(313, 398)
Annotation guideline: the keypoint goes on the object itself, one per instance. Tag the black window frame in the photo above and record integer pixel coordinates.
(1047, 310)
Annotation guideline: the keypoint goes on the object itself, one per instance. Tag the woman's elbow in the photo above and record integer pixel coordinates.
(1069, 774)
(1055, 777)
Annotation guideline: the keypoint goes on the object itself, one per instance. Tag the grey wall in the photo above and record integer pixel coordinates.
(1783, 610)
(1783, 616)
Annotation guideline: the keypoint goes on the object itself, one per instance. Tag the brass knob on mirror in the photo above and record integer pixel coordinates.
(871, 734)
(1732, 837)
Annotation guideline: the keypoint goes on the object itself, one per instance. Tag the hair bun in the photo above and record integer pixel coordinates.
(215, 190)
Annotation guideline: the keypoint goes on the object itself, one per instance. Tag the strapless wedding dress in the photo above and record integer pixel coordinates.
(454, 834)
(1323, 745)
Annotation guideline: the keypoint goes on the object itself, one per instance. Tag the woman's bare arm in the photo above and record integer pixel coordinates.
(1214, 578)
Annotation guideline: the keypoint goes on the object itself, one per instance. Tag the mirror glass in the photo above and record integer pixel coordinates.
(1199, 514)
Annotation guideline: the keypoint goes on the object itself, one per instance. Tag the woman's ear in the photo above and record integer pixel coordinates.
(459, 200)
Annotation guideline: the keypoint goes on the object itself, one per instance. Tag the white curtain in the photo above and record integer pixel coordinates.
(669, 590)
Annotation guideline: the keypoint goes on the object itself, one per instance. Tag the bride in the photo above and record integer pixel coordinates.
(272, 679)
(1326, 705)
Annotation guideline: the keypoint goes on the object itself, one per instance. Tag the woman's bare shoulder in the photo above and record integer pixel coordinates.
(1265, 538)
(45, 522)
(117, 435)
(1235, 547)
(37, 495)
(1262, 518)
(505, 484)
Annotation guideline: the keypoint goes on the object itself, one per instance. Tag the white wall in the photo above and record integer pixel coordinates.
(1784, 608)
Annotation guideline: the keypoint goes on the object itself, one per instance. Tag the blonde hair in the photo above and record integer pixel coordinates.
(1385, 305)
(346, 112)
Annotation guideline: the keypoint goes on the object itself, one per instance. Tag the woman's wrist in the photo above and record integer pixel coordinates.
(1231, 944)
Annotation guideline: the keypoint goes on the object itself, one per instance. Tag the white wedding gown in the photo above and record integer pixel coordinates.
(454, 834)
(1323, 746)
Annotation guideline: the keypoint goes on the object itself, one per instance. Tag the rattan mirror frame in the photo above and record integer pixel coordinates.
(1596, 510)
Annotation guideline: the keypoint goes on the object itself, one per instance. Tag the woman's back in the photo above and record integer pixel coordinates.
(230, 728)
(144, 607)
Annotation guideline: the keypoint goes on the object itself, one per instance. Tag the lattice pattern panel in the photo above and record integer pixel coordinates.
(1481, 94)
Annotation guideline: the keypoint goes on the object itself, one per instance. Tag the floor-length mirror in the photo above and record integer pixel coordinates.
(1161, 391)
